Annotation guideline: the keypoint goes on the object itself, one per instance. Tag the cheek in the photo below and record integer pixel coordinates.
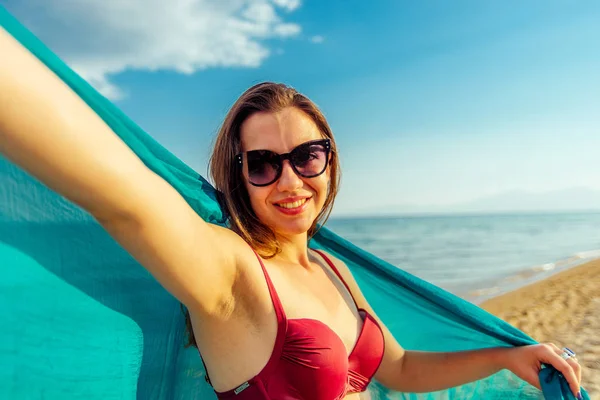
(325, 179)
(322, 188)
(257, 198)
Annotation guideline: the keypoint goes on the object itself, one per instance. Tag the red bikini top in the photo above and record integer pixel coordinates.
(309, 360)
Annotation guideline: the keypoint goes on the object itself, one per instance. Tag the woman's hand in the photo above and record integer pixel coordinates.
(526, 362)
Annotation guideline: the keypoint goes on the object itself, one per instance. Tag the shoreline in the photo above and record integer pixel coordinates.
(563, 308)
(480, 294)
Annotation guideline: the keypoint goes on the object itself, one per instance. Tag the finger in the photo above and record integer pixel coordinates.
(573, 362)
(555, 348)
(567, 370)
(576, 368)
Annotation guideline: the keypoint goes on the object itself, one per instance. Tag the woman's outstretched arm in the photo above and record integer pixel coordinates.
(414, 371)
(46, 129)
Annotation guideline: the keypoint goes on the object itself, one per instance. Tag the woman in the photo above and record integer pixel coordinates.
(277, 319)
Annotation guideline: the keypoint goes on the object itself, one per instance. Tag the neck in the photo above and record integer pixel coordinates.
(294, 250)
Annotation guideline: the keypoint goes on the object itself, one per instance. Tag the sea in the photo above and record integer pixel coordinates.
(478, 257)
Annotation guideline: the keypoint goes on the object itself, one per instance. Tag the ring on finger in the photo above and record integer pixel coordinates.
(568, 353)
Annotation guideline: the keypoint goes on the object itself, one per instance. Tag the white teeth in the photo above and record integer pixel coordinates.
(295, 204)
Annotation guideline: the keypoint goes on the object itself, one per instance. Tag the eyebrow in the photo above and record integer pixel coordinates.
(299, 144)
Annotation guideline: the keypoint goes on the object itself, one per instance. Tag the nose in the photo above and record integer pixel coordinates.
(289, 181)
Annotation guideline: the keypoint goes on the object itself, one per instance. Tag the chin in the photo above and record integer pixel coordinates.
(293, 227)
(292, 230)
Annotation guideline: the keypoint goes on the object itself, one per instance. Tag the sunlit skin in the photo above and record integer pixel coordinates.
(281, 132)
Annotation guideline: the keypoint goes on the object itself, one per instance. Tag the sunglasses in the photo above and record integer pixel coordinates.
(308, 160)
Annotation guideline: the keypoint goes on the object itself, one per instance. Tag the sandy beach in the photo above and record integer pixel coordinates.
(563, 309)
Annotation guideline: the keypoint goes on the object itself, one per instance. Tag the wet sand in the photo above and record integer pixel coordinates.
(563, 309)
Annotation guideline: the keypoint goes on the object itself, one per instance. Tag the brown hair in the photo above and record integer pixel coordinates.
(226, 175)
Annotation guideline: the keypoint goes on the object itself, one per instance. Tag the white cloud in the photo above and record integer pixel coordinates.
(317, 39)
(100, 38)
(285, 30)
(290, 5)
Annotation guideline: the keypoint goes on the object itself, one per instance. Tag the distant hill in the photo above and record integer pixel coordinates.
(574, 199)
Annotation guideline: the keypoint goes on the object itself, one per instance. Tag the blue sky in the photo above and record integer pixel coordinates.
(433, 103)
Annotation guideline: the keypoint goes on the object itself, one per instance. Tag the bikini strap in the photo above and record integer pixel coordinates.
(274, 297)
(332, 266)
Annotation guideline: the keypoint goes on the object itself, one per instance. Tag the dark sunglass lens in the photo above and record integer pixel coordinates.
(263, 166)
(310, 159)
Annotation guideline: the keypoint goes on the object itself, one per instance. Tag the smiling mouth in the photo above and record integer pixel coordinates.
(292, 205)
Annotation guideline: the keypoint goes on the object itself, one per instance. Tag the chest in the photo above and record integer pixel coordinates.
(320, 298)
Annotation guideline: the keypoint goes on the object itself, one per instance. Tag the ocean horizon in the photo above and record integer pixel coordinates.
(480, 255)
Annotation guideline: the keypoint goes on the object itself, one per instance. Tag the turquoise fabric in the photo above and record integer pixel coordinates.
(81, 319)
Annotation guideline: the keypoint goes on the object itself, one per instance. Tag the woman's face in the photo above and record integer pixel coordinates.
(289, 205)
